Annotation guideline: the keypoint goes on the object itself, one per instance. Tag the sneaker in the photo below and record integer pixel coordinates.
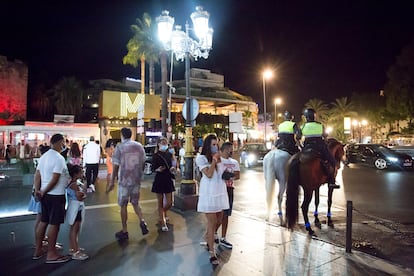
(216, 238)
(89, 190)
(144, 227)
(121, 235)
(92, 187)
(225, 243)
(164, 228)
(80, 256)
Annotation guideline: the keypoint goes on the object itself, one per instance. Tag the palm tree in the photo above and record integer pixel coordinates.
(142, 46)
(68, 94)
(320, 108)
(341, 108)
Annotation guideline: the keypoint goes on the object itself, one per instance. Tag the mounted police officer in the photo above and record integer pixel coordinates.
(288, 135)
(314, 134)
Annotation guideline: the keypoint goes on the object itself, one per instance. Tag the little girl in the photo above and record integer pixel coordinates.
(75, 213)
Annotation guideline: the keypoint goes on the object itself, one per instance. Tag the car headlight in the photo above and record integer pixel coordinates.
(392, 159)
(251, 157)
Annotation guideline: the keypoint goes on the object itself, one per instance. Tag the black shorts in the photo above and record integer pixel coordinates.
(53, 209)
(227, 212)
(79, 216)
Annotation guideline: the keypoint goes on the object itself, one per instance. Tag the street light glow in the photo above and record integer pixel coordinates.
(278, 101)
(267, 74)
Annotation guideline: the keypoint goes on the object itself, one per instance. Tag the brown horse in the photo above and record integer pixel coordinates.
(305, 169)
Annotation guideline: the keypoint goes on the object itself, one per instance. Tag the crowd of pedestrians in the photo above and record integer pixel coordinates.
(61, 181)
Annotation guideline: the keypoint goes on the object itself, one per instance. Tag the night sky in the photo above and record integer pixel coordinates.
(319, 49)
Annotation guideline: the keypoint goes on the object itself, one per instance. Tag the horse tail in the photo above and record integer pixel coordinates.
(292, 192)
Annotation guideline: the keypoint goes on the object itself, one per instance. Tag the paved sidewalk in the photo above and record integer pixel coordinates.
(259, 249)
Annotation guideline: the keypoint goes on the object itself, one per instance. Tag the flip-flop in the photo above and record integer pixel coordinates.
(58, 260)
(34, 257)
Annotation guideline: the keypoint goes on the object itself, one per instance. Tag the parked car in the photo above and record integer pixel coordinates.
(379, 156)
(149, 152)
(251, 154)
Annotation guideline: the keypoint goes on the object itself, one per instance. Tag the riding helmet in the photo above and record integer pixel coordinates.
(288, 116)
(309, 114)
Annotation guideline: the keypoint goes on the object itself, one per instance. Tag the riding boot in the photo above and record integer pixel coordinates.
(331, 183)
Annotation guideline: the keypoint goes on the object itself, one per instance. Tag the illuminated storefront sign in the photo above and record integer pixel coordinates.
(122, 104)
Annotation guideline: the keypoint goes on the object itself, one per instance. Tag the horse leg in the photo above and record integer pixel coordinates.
(315, 214)
(305, 208)
(282, 189)
(329, 214)
(270, 177)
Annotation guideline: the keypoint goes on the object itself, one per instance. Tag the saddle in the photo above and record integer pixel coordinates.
(309, 153)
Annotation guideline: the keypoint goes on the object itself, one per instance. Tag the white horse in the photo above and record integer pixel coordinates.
(274, 168)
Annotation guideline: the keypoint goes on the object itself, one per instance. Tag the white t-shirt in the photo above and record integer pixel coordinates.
(230, 165)
(91, 153)
(49, 163)
(181, 153)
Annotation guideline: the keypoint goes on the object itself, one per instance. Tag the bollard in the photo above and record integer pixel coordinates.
(348, 243)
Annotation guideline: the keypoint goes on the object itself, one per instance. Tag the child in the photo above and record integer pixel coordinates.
(75, 213)
(109, 151)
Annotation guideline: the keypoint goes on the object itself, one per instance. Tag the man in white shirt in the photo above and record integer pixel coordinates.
(91, 157)
(50, 182)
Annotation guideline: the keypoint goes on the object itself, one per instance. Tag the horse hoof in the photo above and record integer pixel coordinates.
(330, 222)
(310, 231)
(318, 224)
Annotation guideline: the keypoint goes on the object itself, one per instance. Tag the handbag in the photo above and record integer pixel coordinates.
(166, 163)
(227, 175)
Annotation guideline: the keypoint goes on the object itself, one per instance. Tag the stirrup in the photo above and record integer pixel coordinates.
(334, 186)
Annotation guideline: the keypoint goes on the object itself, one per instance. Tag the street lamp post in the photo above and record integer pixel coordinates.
(183, 46)
(267, 74)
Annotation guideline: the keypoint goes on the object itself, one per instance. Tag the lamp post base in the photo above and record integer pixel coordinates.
(186, 197)
(185, 202)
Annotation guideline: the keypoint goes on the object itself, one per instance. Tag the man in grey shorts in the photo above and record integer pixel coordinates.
(128, 159)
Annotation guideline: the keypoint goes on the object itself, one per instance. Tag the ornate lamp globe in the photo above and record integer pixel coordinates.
(165, 26)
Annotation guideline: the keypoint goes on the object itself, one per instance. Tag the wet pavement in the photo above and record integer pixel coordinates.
(259, 248)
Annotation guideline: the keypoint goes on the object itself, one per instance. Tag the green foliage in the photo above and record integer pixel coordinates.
(143, 42)
(399, 89)
(68, 96)
(321, 108)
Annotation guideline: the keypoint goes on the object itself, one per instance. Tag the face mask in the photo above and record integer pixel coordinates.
(171, 151)
(163, 147)
(214, 149)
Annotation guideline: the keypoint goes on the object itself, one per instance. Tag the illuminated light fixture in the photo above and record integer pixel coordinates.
(183, 46)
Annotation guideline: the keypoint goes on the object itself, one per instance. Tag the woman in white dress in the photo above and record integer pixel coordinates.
(213, 197)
